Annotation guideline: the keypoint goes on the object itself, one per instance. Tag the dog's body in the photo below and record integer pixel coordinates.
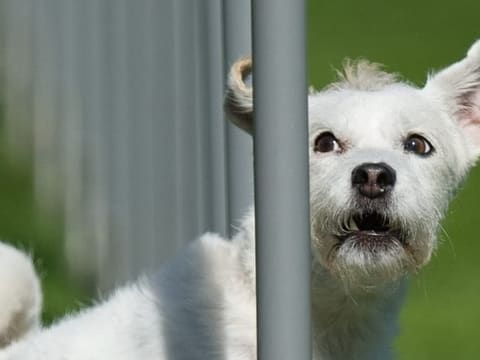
(202, 306)
(385, 159)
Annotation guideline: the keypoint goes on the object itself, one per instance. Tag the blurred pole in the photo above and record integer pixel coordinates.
(237, 43)
(164, 123)
(97, 128)
(3, 49)
(18, 54)
(47, 121)
(120, 167)
(281, 180)
(200, 121)
(78, 246)
(186, 142)
(141, 137)
(214, 120)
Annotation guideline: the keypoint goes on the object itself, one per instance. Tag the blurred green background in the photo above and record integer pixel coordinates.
(39, 234)
(441, 317)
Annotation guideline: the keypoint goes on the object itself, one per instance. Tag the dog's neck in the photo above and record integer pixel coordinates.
(354, 323)
(346, 322)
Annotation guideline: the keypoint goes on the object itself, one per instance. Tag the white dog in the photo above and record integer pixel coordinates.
(385, 159)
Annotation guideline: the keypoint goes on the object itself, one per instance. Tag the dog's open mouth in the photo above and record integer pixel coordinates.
(371, 230)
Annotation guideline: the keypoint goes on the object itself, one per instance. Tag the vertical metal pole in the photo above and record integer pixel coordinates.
(141, 137)
(72, 136)
(47, 104)
(281, 180)
(163, 106)
(210, 124)
(188, 222)
(214, 116)
(18, 76)
(97, 127)
(121, 167)
(237, 43)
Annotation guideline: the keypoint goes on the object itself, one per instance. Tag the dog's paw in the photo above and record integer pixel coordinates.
(20, 295)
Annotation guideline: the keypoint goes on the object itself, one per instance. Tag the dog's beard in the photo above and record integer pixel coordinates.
(358, 266)
(371, 258)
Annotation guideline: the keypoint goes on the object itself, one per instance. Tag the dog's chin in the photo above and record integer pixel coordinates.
(370, 260)
(373, 241)
(368, 252)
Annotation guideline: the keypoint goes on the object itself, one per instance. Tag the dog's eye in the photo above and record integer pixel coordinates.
(418, 145)
(326, 142)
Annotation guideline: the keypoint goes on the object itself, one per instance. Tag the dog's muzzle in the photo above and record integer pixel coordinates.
(371, 230)
(369, 226)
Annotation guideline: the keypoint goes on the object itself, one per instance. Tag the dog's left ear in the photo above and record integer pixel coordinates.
(458, 88)
(239, 96)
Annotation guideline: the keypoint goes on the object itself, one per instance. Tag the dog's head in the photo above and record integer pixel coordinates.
(385, 159)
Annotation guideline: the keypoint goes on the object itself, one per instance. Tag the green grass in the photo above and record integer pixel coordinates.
(441, 317)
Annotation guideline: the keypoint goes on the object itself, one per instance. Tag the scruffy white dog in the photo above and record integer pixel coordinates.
(385, 159)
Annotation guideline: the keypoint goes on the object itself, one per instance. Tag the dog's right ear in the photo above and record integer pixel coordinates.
(239, 96)
(457, 87)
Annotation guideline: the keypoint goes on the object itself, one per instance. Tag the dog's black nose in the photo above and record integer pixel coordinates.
(373, 180)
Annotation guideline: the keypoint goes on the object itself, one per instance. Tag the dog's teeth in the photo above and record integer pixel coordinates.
(353, 225)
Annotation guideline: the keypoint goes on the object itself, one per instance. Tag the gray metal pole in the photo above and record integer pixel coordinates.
(18, 76)
(183, 88)
(281, 180)
(214, 116)
(237, 44)
(121, 167)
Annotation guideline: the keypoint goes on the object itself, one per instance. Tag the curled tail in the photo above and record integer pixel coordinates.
(20, 295)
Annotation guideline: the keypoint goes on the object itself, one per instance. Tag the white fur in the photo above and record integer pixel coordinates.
(202, 304)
